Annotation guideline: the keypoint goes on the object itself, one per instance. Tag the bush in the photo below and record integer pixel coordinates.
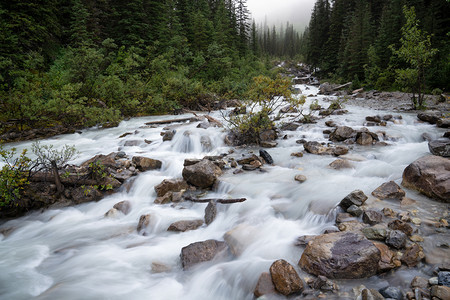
(13, 176)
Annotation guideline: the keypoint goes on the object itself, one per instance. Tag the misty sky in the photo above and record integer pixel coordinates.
(297, 12)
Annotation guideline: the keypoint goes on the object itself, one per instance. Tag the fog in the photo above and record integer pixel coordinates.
(297, 12)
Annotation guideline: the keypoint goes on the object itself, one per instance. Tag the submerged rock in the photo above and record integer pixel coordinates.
(264, 286)
(429, 175)
(170, 185)
(341, 255)
(285, 278)
(342, 133)
(183, 226)
(123, 206)
(199, 252)
(440, 147)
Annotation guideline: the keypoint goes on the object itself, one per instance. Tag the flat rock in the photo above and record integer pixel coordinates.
(341, 255)
(145, 163)
(285, 278)
(199, 252)
(389, 190)
(123, 206)
(182, 226)
(429, 175)
(170, 185)
(339, 164)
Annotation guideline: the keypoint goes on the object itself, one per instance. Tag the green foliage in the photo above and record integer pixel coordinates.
(265, 96)
(416, 50)
(13, 175)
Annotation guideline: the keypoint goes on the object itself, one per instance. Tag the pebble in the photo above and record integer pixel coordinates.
(416, 221)
(433, 281)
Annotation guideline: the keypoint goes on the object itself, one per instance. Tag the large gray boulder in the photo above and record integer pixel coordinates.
(429, 175)
(203, 174)
(342, 133)
(341, 255)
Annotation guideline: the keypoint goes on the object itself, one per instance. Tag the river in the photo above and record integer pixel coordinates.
(78, 253)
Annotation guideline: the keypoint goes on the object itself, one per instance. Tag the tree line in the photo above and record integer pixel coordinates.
(360, 40)
(86, 62)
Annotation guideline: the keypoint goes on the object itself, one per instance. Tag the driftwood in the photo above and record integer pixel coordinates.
(160, 122)
(213, 121)
(223, 201)
(342, 86)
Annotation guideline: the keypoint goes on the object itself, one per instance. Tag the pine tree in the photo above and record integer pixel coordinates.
(319, 26)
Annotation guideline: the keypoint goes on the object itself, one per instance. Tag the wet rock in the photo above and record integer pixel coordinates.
(339, 164)
(443, 123)
(144, 221)
(322, 283)
(387, 258)
(203, 174)
(389, 190)
(330, 123)
(339, 150)
(239, 238)
(371, 294)
(264, 286)
(396, 239)
(300, 178)
(440, 147)
(170, 185)
(372, 217)
(402, 226)
(364, 138)
(413, 255)
(316, 148)
(168, 135)
(377, 232)
(429, 117)
(342, 133)
(357, 197)
(388, 212)
(199, 252)
(268, 135)
(112, 213)
(341, 255)
(355, 210)
(440, 292)
(353, 225)
(376, 119)
(290, 126)
(392, 293)
(288, 109)
(204, 125)
(104, 160)
(210, 212)
(132, 143)
(444, 278)
(167, 198)
(419, 282)
(297, 154)
(285, 278)
(182, 226)
(429, 175)
(123, 206)
(145, 163)
(86, 194)
(266, 156)
(248, 160)
(160, 268)
(343, 217)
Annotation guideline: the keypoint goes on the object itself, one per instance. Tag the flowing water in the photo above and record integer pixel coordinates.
(77, 253)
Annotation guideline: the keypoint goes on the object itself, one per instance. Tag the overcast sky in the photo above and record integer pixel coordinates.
(297, 12)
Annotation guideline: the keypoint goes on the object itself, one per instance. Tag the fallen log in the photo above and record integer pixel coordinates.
(161, 122)
(213, 121)
(223, 201)
(342, 86)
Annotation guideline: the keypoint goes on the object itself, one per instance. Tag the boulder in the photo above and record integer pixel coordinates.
(440, 147)
(104, 160)
(203, 174)
(86, 194)
(145, 163)
(144, 221)
(402, 226)
(429, 175)
(364, 138)
(290, 126)
(170, 185)
(357, 197)
(440, 292)
(210, 212)
(429, 117)
(316, 148)
(264, 286)
(342, 133)
(413, 255)
(168, 135)
(372, 217)
(443, 123)
(389, 190)
(199, 252)
(266, 156)
(396, 239)
(341, 255)
(285, 278)
(123, 206)
(182, 226)
(300, 178)
(391, 292)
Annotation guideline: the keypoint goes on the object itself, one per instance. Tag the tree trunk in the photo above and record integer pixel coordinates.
(59, 185)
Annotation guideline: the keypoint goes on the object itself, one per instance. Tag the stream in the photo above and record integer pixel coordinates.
(78, 253)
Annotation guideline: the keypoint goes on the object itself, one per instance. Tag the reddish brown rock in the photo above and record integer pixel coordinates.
(170, 185)
(413, 255)
(285, 278)
(389, 190)
(341, 255)
(203, 174)
(199, 252)
(146, 164)
(387, 258)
